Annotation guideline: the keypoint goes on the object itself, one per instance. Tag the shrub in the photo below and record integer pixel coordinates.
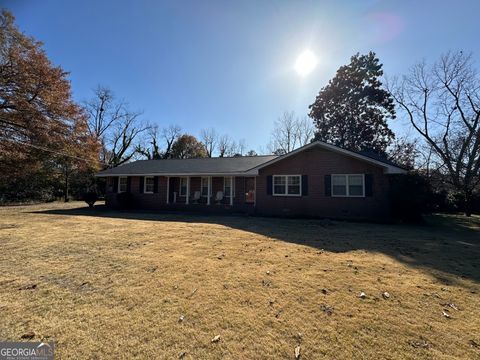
(90, 198)
(410, 197)
(125, 200)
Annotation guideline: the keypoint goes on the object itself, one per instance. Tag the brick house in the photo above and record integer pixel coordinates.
(316, 180)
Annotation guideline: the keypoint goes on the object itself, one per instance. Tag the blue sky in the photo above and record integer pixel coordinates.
(229, 65)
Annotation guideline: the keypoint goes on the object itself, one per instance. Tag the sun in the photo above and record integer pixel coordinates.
(306, 63)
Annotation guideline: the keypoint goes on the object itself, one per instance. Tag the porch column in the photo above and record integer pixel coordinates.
(231, 190)
(209, 193)
(187, 200)
(168, 189)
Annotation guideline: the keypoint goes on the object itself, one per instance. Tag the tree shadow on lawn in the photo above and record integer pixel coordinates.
(448, 246)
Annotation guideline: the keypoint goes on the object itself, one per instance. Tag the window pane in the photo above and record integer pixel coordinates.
(123, 184)
(204, 186)
(149, 184)
(227, 186)
(355, 185)
(339, 185)
(294, 185)
(183, 186)
(279, 183)
(339, 180)
(279, 180)
(294, 189)
(294, 180)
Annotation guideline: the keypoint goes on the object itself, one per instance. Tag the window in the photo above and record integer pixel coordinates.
(227, 186)
(348, 185)
(183, 186)
(204, 188)
(149, 184)
(287, 185)
(122, 184)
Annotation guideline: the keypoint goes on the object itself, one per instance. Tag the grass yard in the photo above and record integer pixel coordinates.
(105, 284)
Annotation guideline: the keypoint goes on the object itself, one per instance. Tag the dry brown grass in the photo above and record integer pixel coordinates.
(114, 285)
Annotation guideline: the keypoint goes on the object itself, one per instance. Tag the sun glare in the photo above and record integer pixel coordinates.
(306, 62)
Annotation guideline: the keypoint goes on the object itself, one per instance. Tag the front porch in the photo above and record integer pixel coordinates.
(216, 191)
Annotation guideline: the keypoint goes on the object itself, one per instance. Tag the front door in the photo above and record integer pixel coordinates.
(249, 190)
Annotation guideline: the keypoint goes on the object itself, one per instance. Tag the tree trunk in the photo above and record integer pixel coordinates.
(468, 203)
(66, 186)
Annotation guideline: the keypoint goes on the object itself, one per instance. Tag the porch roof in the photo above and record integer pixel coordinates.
(242, 165)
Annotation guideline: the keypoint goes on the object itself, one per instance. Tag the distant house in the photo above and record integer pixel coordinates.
(316, 180)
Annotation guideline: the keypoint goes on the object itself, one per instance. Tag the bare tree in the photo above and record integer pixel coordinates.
(209, 138)
(442, 103)
(225, 143)
(305, 131)
(241, 147)
(152, 152)
(114, 126)
(122, 146)
(290, 132)
(170, 135)
(103, 111)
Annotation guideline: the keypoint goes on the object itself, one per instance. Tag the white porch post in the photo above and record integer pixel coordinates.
(187, 200)
(209, 193)
(231, 190)
(168, 189)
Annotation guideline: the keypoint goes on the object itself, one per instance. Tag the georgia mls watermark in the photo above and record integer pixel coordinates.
(26, 350)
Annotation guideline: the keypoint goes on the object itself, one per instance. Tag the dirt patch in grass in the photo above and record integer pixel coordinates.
(106, 284)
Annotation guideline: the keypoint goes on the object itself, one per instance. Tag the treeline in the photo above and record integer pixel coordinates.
(51, 147)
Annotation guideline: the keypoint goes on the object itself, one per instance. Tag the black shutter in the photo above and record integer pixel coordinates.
(155, 184)
(328, 185)
(129, 184)
(269, 184)
(368, 185)
(115, 184)
(304, 185)
(141, 185)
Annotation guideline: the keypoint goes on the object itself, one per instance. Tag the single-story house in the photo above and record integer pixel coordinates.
(316, 180)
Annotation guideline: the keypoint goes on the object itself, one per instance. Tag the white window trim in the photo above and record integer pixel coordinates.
(145, 184)
(201, 186)
(180, 186)
(286, 185)
(347, 185)
(119, 182)
(232, 184)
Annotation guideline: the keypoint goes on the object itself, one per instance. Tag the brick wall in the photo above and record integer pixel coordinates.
(316, 163)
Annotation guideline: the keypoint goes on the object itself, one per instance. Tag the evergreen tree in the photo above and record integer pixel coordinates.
(353, 109)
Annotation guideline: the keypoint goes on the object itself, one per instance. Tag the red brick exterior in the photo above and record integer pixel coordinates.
(314, 162)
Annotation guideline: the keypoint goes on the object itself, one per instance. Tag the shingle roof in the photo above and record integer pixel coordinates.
(206, 166)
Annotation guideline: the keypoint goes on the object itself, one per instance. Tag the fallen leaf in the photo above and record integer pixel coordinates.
(216, 339)
(29, 335)
(28, 287)
(297, 352)
(420, 344)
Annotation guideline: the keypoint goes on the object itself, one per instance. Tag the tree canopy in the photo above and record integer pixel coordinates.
(40, 125)
(353, 109)
(188, 147)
